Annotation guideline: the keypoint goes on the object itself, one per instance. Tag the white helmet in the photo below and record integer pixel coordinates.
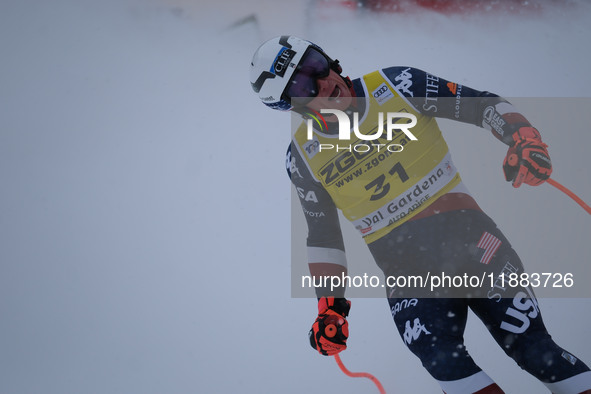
(273, 65)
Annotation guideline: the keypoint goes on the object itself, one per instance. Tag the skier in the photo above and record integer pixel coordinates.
(411, 207)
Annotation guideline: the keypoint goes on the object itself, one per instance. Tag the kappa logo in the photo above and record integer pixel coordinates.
(412, 333)
(405, 79)
(293, 168)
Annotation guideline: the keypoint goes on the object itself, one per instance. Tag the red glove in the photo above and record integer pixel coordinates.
(330, 331)
(527, 160)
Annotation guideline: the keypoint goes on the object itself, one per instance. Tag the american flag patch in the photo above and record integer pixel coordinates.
(490, 244)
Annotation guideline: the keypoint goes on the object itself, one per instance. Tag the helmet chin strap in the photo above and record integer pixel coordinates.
(349, 85)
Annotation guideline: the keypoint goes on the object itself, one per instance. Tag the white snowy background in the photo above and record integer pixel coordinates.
(145, 209)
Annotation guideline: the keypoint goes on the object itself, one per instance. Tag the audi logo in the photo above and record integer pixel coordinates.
(379, 92)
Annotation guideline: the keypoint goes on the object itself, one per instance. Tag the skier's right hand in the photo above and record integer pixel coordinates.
(527, 160)
(330, 331)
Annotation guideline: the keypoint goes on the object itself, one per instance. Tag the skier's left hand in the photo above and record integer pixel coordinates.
(527, 160)
(330, 331)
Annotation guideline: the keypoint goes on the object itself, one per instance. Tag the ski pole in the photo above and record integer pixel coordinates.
(570, 194)
(330, 331)
(513, 160)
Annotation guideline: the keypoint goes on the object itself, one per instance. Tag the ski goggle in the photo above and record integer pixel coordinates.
(303, 84)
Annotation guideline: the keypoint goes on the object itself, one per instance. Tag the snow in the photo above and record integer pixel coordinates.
(145, 220)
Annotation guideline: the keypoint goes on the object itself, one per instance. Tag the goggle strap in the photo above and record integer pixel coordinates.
(335, 66)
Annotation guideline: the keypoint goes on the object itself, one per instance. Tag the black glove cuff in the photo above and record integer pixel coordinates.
(341, 306)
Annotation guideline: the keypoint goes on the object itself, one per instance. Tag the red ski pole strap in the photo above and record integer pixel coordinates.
(359, 374)
(569, 193)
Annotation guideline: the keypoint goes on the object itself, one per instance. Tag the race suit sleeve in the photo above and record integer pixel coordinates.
(434, 96)
(325, 247)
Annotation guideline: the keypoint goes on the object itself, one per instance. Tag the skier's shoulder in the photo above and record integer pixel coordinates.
(407, 80)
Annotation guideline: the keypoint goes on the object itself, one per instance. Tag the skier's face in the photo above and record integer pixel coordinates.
(333, 93)
(315, 85)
